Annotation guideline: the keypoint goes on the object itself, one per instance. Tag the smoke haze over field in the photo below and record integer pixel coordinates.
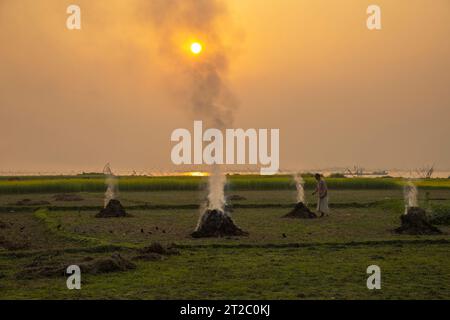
(340, 94)
(178, 23)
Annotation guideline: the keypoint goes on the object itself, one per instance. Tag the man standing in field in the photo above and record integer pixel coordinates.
(322, 191)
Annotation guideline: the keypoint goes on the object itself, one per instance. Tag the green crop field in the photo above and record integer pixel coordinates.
(281, 258)
(96, 183)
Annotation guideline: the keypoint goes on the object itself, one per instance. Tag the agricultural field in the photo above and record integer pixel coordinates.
(49, 223)
(96, 183)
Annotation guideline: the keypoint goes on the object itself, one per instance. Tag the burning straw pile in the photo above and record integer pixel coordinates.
(414, 220)
(205, 80)
(300, 211)
(112, 207)
(215, 221)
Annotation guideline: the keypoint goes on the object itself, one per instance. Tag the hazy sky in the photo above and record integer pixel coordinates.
(340, 94)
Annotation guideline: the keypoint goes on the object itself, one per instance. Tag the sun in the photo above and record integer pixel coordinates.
(196, 174)
(196, 48)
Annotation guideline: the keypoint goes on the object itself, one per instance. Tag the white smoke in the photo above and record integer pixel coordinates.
(210, 99)
(203, 77)
(111, 185)
(216, 186)
(410, 195)
(299, 184)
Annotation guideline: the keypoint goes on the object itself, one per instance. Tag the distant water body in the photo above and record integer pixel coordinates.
(390, 173)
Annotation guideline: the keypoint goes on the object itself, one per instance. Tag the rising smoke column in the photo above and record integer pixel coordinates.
(216, 184)
(410, 194)
(299, 184)
(111, 185)
(204, 76)
(414, 221)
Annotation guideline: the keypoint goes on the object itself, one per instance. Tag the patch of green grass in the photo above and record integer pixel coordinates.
(408, 272)
(440, 214)
(54, 226)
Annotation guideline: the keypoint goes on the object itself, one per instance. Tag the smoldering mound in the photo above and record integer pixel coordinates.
(415, 222)
(301, 211)
(216, 223)
(113, 209)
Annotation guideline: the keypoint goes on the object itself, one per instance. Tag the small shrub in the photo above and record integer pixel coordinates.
(440, 215)
(337, 175)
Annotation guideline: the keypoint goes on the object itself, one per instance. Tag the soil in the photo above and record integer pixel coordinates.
(67, 197)
(301, 211)
(114, 209)
(216, 223)
(13, 245)
(4, 225)
(29, 202)
(416, 222)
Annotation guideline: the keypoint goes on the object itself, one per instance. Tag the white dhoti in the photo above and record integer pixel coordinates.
(322, 205)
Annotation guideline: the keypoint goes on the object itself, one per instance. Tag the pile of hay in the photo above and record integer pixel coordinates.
(114, 209)
(415, 222)
(301, 211)
(114, 263)
(216, 223)
(44, 267)
(155, 252)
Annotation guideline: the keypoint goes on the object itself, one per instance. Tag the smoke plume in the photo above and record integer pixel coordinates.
(111, 183)
(299, 184)
(410, 194)
(216, 196)
(177, 24)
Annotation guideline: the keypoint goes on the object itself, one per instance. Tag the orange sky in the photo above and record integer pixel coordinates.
(340, 94)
